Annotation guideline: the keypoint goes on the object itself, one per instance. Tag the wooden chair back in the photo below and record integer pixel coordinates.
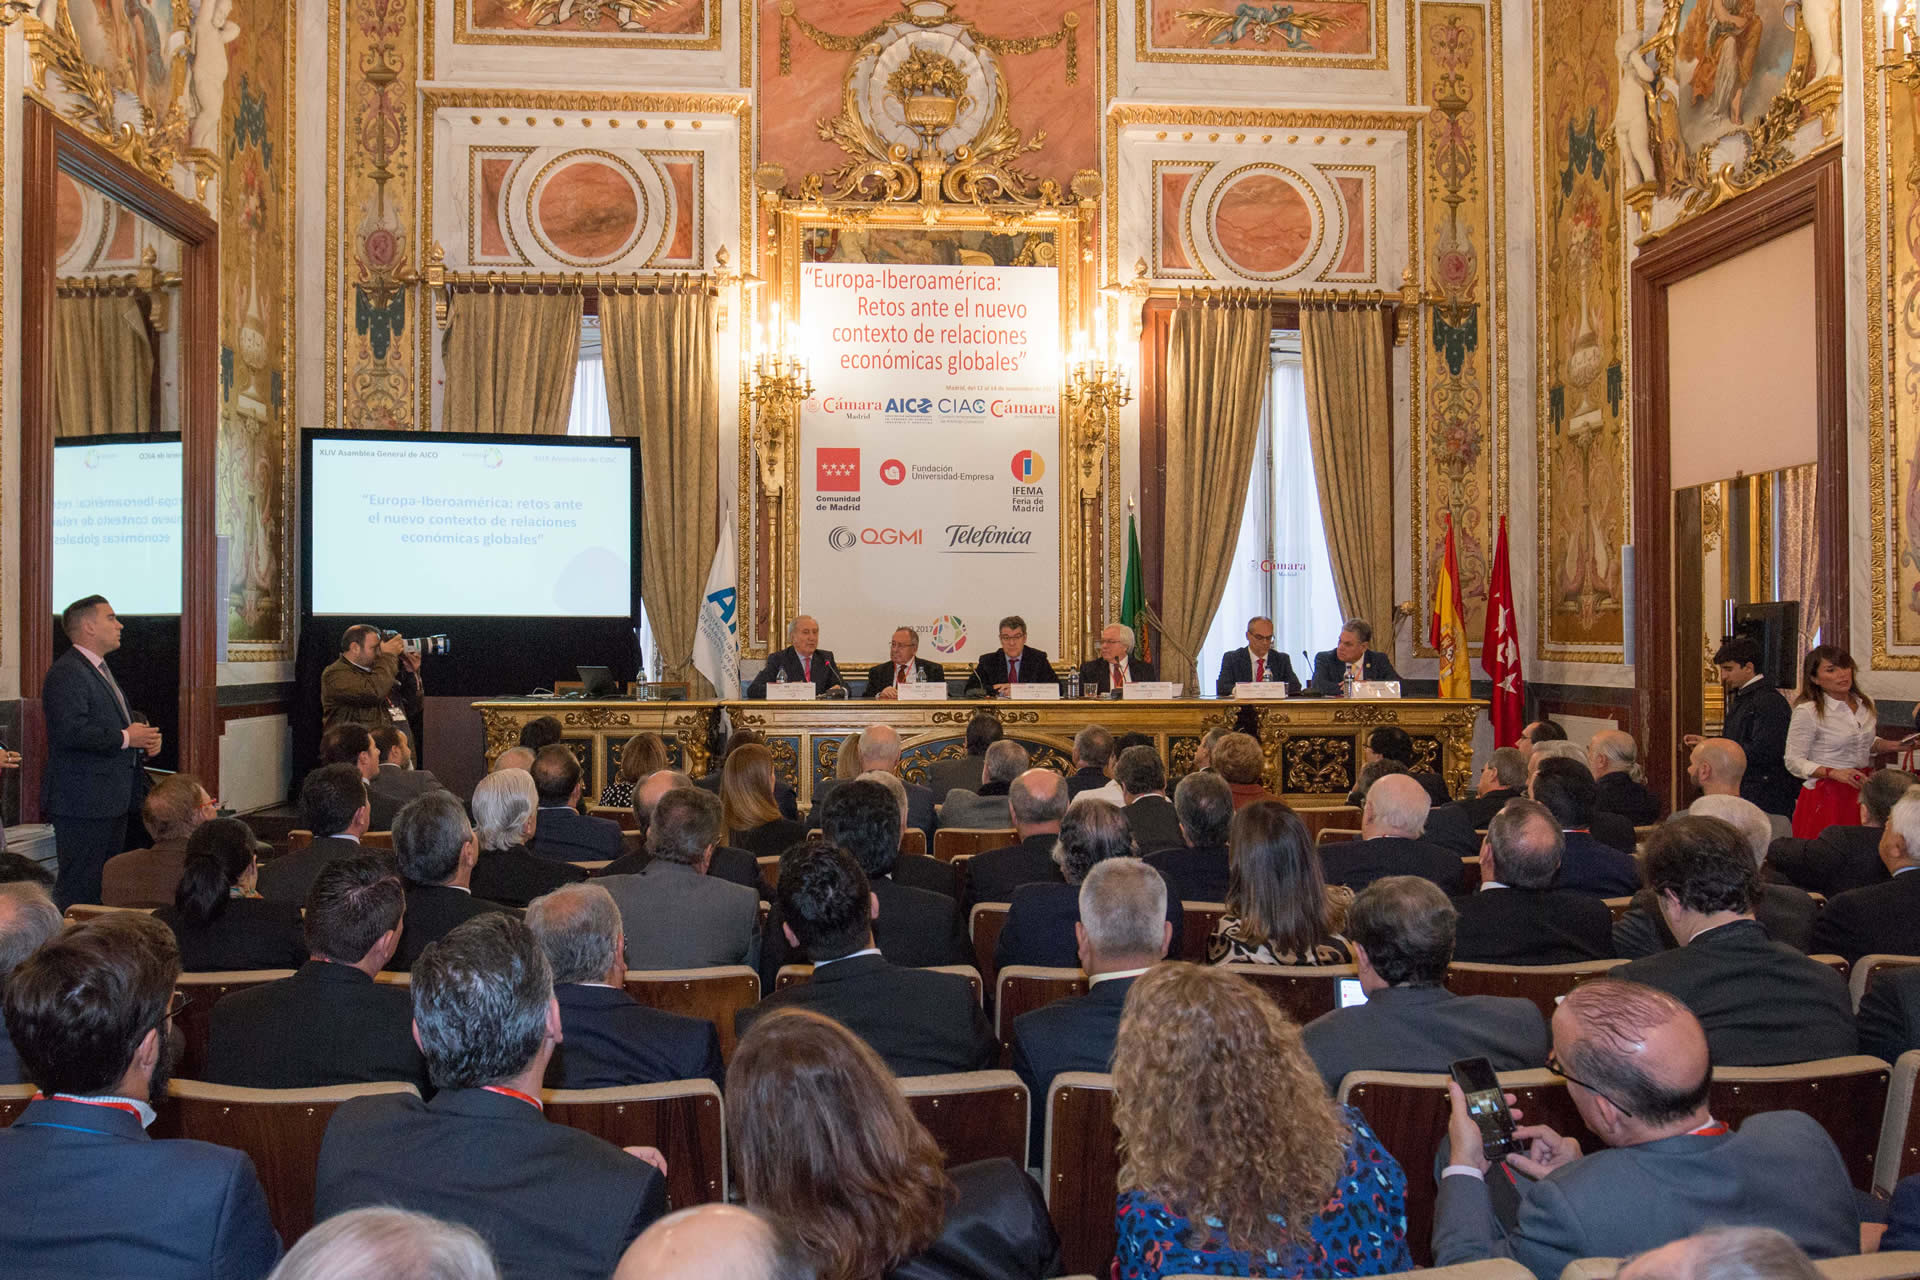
(1540, 983)
(1469, 875)
(593, 868)
(1848, 1096)
(1318, 819)
(81, 912)
(1867, 968)
(380, 841)
(298, 838)
(620, 813)
(632, 842)
(13, 1100)
(1080, 1171)
(769, 871)
(1899, 1151)
(1304, 991)
(1196, 926)
(973, 1115)
(1334, 835)
(1617, 907)
(984, 924)
(1022, 988)
(715, 994)
(683, 1118)
(914, 841)
(1836, 963)
(948, 841)
(791, 974)
(195, 1021)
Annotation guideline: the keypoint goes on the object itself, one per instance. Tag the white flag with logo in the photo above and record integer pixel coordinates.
(716, 640)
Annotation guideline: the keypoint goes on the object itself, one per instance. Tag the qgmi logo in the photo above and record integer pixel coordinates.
(893, 471)
(841, 538)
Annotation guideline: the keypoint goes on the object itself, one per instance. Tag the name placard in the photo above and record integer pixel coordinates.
(927, 691)
(791, 691)
(1046, 691)
(1150, 690)
(1260, 689)
(1375, 689)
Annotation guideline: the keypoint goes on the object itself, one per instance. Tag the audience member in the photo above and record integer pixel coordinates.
(640, 755)
(1142, 778)
(917, 926)
(1844, 857)
(915, 870)
(1716, 766)
(824, 1140)
(1040, 920)
(1235, 1161)
(1832, 738)
(17, 868)
(564, 833)
(550, 1200)
(334, 807)
(395, 781)
(989, 807)
(517, 757)
(1391, 742)
(1637, 1066)
(1092, 763)
(351, 744)
(1203, 754)
(1279, 908)
(540, 733)
(1545, 729)
(1199, 868)
(436, 850)
(1038, 799)
(330, 1023)
(783, 794)
(1890, 1014)
(1517, 916)
(391, 1244)
(87, 1193)
(1786, 913)
(1587, 863)
(1619, 783)
(609, 1039)
(218, 918)
(175, 807)
(1757, 720)
(1371, 772)
(920, 1022)
(1880, 918)
(1609, 828)
(1724, 1253)
(674, 914)
(28, 918)
(1390, 845)
(1237, 758)
(505, 817)
(715, 1242)
(983, 730)
(1401, 931)
(735, 866)
(879, 751)
(749, 814)
(1761, 1002)
(1456, 827)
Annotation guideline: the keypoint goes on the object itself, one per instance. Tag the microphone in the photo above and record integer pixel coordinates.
(838, 689)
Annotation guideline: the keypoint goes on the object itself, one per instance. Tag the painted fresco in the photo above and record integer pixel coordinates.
(1304, 27)
(586, 17)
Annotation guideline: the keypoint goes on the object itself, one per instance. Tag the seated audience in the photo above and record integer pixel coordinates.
(172, 811)
(1761, 1002)
(1401, 932)
(783, 793)
(1609, 828)
(749, 815)
(218, 917)
(824, 1141)
(1717, 766)
(1391, 742)
(736, 866)
(1203, 754)
(28, 918)
(334, 806)
(1880, 918)
(1889, 1017)
(1903, 1216)
(17, 868)
(1237, 758)
(330, 1023)
(519, 757)
(1786, 913)
(715, 1242)
(1390, 845)
(1724, 1253)
(1370, 773)
(1843, 857)
(983, 730)
(1142, 778)
(1545, 729)
(564, 833)
(396, 781)
(921, 1023)
(351, 744)
(1040, 920)
(674, 914)
(1517, 916)
(1587, 863)
(916, 870)
(551, 1201)
(87, 1192)
(609, 1039)
(1122, 932)
(505, 818)
(1637, 1066)
(1279, 908)
(1619, 783)
(640, 755)
(391, 1244)
(1236, 1162)
(1456, 827)
(878, 751)
(540, 733)
(1038, 799)
(917, 926)
(1199, 868)
(1093, 764)
(436, 850)
(989, 806)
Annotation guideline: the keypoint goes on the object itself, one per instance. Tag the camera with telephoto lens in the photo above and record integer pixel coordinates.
(435, 645)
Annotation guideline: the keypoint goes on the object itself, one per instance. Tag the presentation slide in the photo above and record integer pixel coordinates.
(116, 524)
(467, 529)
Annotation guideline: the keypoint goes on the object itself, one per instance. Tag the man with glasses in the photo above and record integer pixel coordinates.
(1258, 663)
(1637, 1068)
(1012, 663)
(172, 811)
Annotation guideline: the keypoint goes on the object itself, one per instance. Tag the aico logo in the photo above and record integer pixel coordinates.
(949, 634)
(841, 538)
(836, 470)
(909, 404)
(1028, 467)
(893, 471)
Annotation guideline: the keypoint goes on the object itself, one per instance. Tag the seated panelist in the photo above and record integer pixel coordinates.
(1259, 662)
(1351, 659)
(901, 667)
(1012, 663)
(1116, 666)
(802, 660)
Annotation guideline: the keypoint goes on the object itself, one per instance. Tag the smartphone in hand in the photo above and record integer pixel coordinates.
(1487, 1104)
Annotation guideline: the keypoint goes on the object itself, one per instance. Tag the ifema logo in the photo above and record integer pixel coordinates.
(949, 634)
(1028, 467)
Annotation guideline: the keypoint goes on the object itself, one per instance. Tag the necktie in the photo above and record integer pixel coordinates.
(900, 677)
(106, 673)
(1013, 671)
(1259, 670)
(806, 667)
(1119, 676)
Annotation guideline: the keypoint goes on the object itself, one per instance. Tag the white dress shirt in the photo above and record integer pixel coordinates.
(1841, 739)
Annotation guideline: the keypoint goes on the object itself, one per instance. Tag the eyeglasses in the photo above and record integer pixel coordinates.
(177, 1005)
(1553, 1065)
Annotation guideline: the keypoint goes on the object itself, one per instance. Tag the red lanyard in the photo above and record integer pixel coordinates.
(528, 1098)
(1711, 1129)
(127, 1107)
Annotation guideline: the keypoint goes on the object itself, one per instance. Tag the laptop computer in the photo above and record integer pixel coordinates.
(597, 682)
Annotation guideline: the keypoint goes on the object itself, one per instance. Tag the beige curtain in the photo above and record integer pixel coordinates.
(1799, 538)
(510, 361)
(658, 354)
(1217, 375)
(102, 366)
(1348, 370)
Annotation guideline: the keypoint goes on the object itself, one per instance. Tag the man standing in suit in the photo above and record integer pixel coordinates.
(988, 806)
(357, 687)
(28, 919)
(609, 1039)
(1350, 660)
(1843, 858)
(983, 730)
(1257, 663)
(1517, 916)
(920, 1023)
(1614, 758)
(436, 849)
(95, 750)
(1589, 864)
(550, 1200)
(87, 1192)
(1142, 780)
(172, 811)
(673, 914)
(1880, 918)
(1390, 845)
(1038, 799)
(395, 781)
(334, 806)
(1401, 929)
(564, 833)
(1456, 827)
(802, 661)
(1200, 867)
(902, 667)
(1116, 667)
(330, 1023)
(1757, 718)
(1012, 663)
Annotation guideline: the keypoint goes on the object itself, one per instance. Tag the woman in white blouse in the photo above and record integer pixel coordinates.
(1831, 741)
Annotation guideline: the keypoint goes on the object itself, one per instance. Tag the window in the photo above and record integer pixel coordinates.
(1280, 563)
(589, 417)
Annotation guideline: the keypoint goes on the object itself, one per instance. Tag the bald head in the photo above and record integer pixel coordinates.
(711, 1242)
(514, 758)
(1716, 766)
(651, 788)
(1397, 805)
(879, 749)
(1642, 1056)
(1039, 801)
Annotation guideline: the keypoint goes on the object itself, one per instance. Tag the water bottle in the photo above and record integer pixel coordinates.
(1073, 683)
(913, 673)
(782, 677)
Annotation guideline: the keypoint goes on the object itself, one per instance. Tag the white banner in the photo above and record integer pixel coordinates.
(716, 640)
(929, 464)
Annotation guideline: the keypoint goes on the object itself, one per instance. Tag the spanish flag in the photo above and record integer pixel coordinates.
(1449, 633)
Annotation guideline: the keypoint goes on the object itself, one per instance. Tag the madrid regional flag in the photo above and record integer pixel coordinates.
(1500, 652)
(716, 640)
(1449, 633)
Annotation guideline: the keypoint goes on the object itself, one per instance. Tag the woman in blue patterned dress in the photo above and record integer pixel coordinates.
(1234, 1160)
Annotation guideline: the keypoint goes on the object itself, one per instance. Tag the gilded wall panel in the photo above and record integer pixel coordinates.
(1903, 265)
(650, 24)
(1309, 33)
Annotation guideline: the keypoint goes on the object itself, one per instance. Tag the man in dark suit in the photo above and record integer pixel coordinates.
(1390, 843)
(1843, 858)
(902, 667)
(1890, 1013)
(1517, 916)
(983, 730)
(1351, 659)
(1391, 742)
(1142, 779)
(172, 811)
(1092, 762)
(548, 1199)
(1200, 869)
(1757, 717)
(1786, 913)
(1762, 1003)
(505, 812)
(330, 1023)
(1880, 918)
(1257, 663)
(879, 750)
(675, 915)
(95, 750)
(1456, 827)
(919, 1023)
(334, 806)
(87, 1192)
(983, 803)
(783, 792)
(1116, 667)
(1588, 864)
(735, 866)
(609, 1039)
(1012, 663)
(1040, 920)
(1122, 932)
(1637, 1067)
(1401, 929)
(564, 833)
(396, 781)
(1039, 800)
(350, 743)
(803, 661)
(28, 919)
(436, 849)
(1614, 759)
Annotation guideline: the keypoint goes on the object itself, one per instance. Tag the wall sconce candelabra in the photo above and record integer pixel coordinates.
(1900, 34)
(1098, 387)
(775, 383)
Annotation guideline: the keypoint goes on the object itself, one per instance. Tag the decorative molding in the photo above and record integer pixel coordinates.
(1145, 51)
(546, 36)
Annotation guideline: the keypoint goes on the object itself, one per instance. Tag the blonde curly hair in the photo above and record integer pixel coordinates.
(1220, 1110)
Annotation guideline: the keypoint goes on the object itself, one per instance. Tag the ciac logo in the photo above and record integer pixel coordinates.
(1028, 467)
(949, 634)
(893, 471)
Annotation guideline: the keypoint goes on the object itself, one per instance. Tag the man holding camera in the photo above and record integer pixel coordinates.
(357, 687)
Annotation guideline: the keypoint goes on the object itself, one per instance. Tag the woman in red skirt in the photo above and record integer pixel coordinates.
(1831, 741)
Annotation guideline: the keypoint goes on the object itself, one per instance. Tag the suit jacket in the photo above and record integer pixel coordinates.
(1786, 913)
(328, 1024)
(1889, 1015)
(88, 774)
(1435, 786)
(783, 794)
(917, 929)
(994, 875)
(769, 839)
(677, 918)
(919, 807)
(1155, 825)
(967, 808)
(1618, 793)
(551, 1201)
(944, 776)
(1757, 718)
(251, 933)
(144, 877)
(1086, 779)
(1358, 863)
(1425, 1029)
(563, 834)
(1329, 672)
(1074, 1034)
(289, 878)
(1903, 1217)
(1613, 830)
(991, 670)
(392, 789)
(85, 1192)
(1236, 666)
(1878, 918)
(611, 1040)
(1039, 928)
(997, 1226)
(1589, 865)
(881, 676)
(514, 877)
(735, 866)
(11, 1071)
(1779, 1169)
(1098, 673)
(826, 672)
(433, 911)
(1532, 926)
(353, 695)
(1836, 860)
(1761, 1002)
(1194, 873)
(1456, 827)
(921, 1023)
